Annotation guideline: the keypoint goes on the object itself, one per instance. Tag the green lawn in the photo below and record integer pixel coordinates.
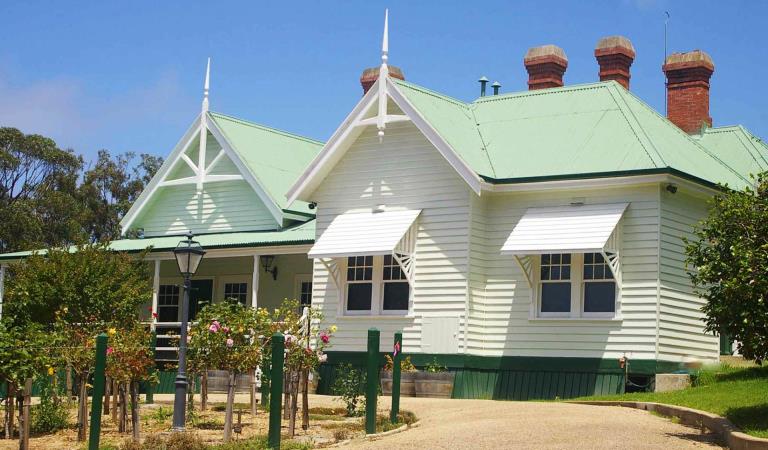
(738, 393)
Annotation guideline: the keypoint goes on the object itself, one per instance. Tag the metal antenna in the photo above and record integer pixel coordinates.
(666, 81)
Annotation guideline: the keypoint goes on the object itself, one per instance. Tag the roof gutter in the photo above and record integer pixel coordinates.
(599, 179)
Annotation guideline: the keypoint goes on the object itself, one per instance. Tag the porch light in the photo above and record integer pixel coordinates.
(188, 255)
(267, 262)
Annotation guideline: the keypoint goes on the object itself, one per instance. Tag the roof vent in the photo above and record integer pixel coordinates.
(496, 86)
(483, 81)
(545, 65)
(615, 55)
(371, 74)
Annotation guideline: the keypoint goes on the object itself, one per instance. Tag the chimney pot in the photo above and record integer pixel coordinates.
(545, 65)
(371, 74)
(688, 77)
(615, 55)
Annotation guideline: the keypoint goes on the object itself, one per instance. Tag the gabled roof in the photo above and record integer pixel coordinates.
(303, 233)
(275, 158)
(595, 128)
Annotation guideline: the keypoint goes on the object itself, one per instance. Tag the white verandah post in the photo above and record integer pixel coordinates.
(255, 282)
(155, 294)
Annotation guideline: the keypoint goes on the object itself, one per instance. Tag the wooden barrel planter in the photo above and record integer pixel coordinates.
(434, 385)
(407, 386)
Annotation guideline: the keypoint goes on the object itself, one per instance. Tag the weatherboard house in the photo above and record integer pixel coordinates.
(527, 241)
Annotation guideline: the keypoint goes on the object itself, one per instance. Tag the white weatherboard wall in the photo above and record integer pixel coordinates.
(500, 308)
(403, 172)
(222, 206)
(681, 335)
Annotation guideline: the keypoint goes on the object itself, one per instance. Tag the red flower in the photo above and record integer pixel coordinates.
(154, 315)
(109, 350)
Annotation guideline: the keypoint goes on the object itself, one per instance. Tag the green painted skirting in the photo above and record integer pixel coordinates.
(515, 378)
(167, 380)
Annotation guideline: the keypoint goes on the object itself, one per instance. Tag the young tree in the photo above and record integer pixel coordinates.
(225, 337)
(92, 284)
(129, 362)
(727, 264)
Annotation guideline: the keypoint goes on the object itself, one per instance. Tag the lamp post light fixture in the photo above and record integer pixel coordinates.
(188, 255)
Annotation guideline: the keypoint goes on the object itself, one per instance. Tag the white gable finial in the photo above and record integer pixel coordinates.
(383, 74)
(385, 39)
(207, 85)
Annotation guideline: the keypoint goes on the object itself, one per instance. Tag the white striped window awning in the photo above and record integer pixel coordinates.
(368, 233)
(565, 229)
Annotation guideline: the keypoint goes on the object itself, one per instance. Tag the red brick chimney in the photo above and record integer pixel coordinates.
(371, 74)
(688, 89)
(546, 66)
(614, 55)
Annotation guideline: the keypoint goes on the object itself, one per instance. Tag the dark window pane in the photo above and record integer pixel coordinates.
(567, 258)
(545, 273)
(351, 261)
(359, 297)
(600, 297)
(555, 272)
(387, 260)
(350, 274)
(556, 297)
(565, 273)
(599, 272)
(396, 296)
(369, 273)
(168, 314)
(545, 259)
(397, 273)
(369, 260)
(556, 258)
(608, 273)
(588, 272)
(359, 274)
(588, 258)
(360, 260)
(599, 258)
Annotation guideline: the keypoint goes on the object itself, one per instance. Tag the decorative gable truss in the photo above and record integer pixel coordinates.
(373, 109)
(192, 163)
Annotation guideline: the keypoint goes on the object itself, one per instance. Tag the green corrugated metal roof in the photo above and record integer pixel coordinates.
(275, 158)
(738, 147)
(573, 130)
(300, 234)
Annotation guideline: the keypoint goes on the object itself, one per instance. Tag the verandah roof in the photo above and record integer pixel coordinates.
(300, 234)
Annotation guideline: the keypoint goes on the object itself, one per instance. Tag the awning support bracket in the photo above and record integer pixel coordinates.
(405, 252)
(526, 264)
(332, 265)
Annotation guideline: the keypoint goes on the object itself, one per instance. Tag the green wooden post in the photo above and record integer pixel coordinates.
(275, 397)
(98, 391)
(398, 351)
(150, 385)
(372, 380)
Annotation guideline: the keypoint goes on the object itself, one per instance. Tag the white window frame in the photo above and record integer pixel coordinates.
(377, 292)
(601, 315)
(577, 293)
(220, 282)
(247, 292)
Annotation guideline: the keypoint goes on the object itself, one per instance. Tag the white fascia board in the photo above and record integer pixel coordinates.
(156, 181)
(459, 165)
(249, 176)
(278, 250)
(322, 164)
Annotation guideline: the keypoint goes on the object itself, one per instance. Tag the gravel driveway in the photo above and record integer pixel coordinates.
(485, 424)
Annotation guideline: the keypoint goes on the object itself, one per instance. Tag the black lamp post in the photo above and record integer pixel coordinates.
(188, 255)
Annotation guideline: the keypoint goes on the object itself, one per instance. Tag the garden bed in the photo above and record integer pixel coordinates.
(328, 426)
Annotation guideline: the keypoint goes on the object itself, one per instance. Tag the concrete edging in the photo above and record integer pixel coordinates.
(731, 434)
(375, 436)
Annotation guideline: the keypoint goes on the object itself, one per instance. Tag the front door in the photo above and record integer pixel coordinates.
(200, 295)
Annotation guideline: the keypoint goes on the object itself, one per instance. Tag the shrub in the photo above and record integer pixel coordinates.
(349, 386)
(341, 435)
(435, 367)
(174, 441)
(405, 364)
(51, 414)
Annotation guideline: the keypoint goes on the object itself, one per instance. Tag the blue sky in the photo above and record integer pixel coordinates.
(127, 76)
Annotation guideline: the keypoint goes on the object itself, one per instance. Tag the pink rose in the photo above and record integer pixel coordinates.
(110, 350)
(230, 342)
(225, 329)
(213, 328)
